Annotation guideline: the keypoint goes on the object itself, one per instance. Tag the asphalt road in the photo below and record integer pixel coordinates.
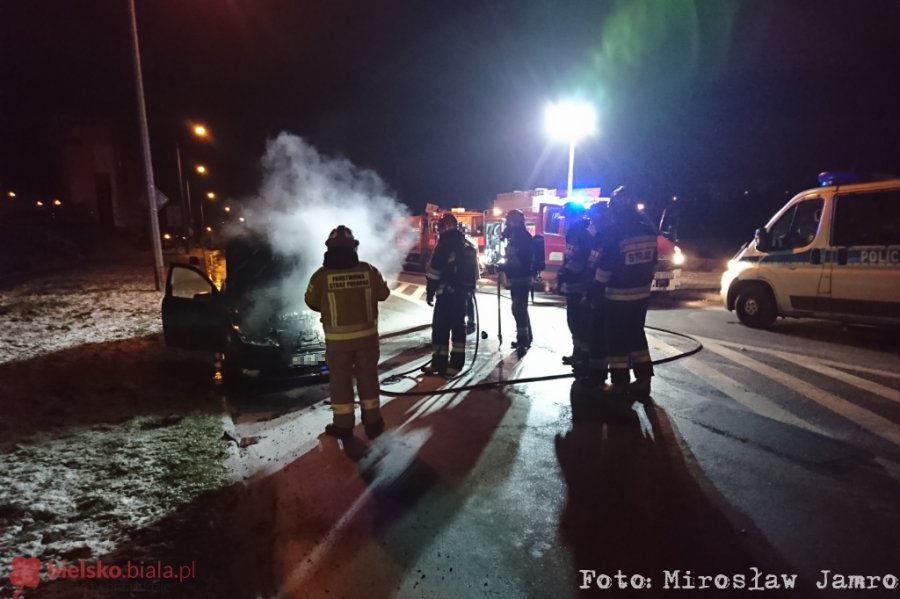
(769, 456)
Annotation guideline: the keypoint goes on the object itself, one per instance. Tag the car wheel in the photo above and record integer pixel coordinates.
(755, 307)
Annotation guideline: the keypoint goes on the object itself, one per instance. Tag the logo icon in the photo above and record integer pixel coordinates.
(26, 572)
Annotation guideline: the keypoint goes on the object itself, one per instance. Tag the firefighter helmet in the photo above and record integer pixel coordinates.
(623, 201)
(447, 222)
(597, 211)
(515, 217)
(341, 237)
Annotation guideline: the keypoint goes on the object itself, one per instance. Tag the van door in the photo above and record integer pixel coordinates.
(865, 261)
(794, 265)
(552, 226)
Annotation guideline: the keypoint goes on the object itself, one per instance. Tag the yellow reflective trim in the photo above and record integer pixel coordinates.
(370, 404)
(332, 307)
(353, 335)
(349, 328)
(639, 357)
(634, 293)
(342, 408)
(618, 362)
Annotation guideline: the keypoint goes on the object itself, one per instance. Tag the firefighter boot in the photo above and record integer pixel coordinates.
(373, 423)
(438, 366)
(338, 432)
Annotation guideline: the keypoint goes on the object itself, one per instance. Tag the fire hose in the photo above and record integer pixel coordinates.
(504, 382)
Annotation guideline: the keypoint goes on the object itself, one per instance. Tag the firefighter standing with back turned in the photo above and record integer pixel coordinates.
(625, 273)
(572, 281)
(518, 271)
(346, 292)
(452, 274)
(598, 370)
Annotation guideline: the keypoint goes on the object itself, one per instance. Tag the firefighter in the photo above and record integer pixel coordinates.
(451, 277)
(346, 292)
(597, 368)
(518, 271)
(625, 272)
(572, 282)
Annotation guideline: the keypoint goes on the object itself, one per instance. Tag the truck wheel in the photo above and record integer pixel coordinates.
(755, 307)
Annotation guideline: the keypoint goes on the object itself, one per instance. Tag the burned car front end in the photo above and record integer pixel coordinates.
(257, 321)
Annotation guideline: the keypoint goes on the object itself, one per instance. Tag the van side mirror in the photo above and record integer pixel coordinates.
(763, 240)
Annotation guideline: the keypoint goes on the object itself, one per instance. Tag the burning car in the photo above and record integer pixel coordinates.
(257, 320)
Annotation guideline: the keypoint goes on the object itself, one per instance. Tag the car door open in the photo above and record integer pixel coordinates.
(193, 313)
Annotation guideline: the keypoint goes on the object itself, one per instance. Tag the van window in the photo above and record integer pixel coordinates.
(867, 218)
(477, 226)
(554, 220)
(798, 226)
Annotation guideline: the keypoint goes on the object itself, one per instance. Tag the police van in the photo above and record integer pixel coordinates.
(831, 252)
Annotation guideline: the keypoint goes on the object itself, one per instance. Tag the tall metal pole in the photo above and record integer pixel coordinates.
(148, 165)
(185, 206)
(571, 168)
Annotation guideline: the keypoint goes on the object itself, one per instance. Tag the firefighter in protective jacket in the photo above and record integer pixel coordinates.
(625, 273)
(572, 281)
(452, 274)
(519, 271)
(346, 292)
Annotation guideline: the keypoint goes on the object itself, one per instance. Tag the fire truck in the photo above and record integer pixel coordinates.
(425, 233)
(543, 209)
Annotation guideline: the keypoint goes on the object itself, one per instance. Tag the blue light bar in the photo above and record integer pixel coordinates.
(837, 178)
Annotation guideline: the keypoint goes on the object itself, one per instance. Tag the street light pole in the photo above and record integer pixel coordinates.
(570, 121)
(185, 200)
(571, 168)
(148, 164)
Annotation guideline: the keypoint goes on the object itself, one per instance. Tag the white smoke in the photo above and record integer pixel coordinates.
(304, 195)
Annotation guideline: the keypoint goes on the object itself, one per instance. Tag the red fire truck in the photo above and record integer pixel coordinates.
(543, 210)
(425, 233)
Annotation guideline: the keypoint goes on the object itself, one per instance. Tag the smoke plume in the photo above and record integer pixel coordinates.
(304, 195)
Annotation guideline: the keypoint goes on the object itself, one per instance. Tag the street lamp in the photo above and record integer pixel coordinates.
(200, 132)
(570, 121)
(211, 195)
(201, 170)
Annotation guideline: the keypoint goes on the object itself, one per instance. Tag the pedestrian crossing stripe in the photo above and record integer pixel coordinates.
(745, 397)
(402, 290)
(875, 424)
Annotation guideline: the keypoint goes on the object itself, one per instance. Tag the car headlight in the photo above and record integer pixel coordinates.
(678, 257)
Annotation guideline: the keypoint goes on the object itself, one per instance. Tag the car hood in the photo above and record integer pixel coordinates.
(264, 307)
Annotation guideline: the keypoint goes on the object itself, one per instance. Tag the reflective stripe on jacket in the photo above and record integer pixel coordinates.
(348, 300)
(627, 260)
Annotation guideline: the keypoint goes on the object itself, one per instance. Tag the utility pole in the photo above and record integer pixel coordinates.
(148, 164)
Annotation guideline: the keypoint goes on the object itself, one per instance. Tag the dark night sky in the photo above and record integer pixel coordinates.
(445, 99)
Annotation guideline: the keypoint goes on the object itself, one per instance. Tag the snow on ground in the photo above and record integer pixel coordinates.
(99, 303)
(102, 430)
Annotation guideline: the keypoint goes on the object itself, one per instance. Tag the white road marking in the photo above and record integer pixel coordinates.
(414, 297)
(749, 399)
(866, 419)
(835, 373)
(876, 371)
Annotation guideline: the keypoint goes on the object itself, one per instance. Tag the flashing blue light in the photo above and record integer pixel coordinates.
(837, 178)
